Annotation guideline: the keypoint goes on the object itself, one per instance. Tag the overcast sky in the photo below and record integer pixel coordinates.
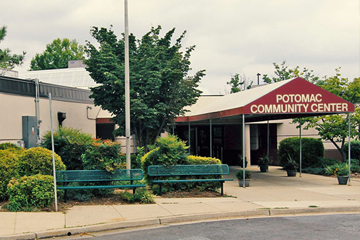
(231, 36)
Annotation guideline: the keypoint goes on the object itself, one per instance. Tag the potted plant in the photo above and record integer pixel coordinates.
(291, 167)
(264, 163)
(341, 171)
(240, 177)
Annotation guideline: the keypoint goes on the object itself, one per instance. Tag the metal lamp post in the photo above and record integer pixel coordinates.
(127, 88)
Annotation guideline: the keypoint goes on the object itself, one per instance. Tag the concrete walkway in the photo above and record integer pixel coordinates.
(271, 193)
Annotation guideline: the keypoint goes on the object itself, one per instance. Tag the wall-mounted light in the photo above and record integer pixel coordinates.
(61, 117)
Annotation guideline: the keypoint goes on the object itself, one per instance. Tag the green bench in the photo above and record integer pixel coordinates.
(100, 179)
(187, 171)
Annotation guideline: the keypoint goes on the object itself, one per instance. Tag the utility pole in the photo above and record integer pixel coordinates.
(127, 88)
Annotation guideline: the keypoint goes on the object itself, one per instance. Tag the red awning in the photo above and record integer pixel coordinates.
(286, 99)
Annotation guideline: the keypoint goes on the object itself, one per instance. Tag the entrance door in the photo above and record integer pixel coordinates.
(105, 131)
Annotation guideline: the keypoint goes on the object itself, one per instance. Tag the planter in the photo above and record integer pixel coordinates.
(342, 180)
(264, 168)
(247, 183)
(291, 173)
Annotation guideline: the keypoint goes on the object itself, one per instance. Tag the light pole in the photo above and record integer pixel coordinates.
(127, 88)
(258, 76)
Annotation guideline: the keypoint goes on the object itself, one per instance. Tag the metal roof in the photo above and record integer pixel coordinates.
(71, 77)
(25, 87)
(236, 100)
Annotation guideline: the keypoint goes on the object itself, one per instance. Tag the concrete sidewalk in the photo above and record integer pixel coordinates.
(269, 194)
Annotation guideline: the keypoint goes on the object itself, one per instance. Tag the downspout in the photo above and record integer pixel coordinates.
(37, 109)
(189, 139)
(87, 113)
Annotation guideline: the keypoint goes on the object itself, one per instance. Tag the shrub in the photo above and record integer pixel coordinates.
(30, 192)
(312, 150)
(169, 151)
(39, 161)
(141, 195)
(7, 145)
(8, 169)
(314, 170)
(136, 159)
(240, 174)
(194, 160)
(354, 151)
(340, 169)
(354, 162)
(172, 151)
(103, 155)
(10, 147)
(70, 144)
(84, 195)
(324, 162)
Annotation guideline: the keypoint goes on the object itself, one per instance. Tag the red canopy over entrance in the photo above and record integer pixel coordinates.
(298, 96)
(287, 99)
(294, 98)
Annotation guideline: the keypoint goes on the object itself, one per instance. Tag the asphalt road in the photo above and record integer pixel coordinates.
(340, 226)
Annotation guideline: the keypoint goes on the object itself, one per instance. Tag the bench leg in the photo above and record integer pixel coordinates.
(131, 182)
(65, 196)
(160, 189)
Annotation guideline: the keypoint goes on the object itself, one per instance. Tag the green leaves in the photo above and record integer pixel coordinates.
(7, 60)
(160, 86)
(29, 193)
(57, 55)
(283, 72)
(238, 83)
(334, 128)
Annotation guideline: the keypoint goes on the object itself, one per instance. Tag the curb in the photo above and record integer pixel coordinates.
(320, 210)
(179, 219)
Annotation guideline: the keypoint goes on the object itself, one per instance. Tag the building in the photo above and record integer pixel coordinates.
(251, 123)
(213, 127)
(25, 109)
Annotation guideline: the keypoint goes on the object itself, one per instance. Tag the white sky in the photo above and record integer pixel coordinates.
(231, 36)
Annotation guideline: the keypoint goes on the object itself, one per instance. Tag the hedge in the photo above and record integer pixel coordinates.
(8, 169)
(29, 193)
(172, 151)
(69, 144)
(355, 149)
(312, 151)
(39, 161)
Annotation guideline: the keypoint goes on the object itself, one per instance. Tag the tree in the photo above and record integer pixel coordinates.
(160, 86)
(57, 55)
(239, 83)
(283, 72)
(7, 60)
(333, 128)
